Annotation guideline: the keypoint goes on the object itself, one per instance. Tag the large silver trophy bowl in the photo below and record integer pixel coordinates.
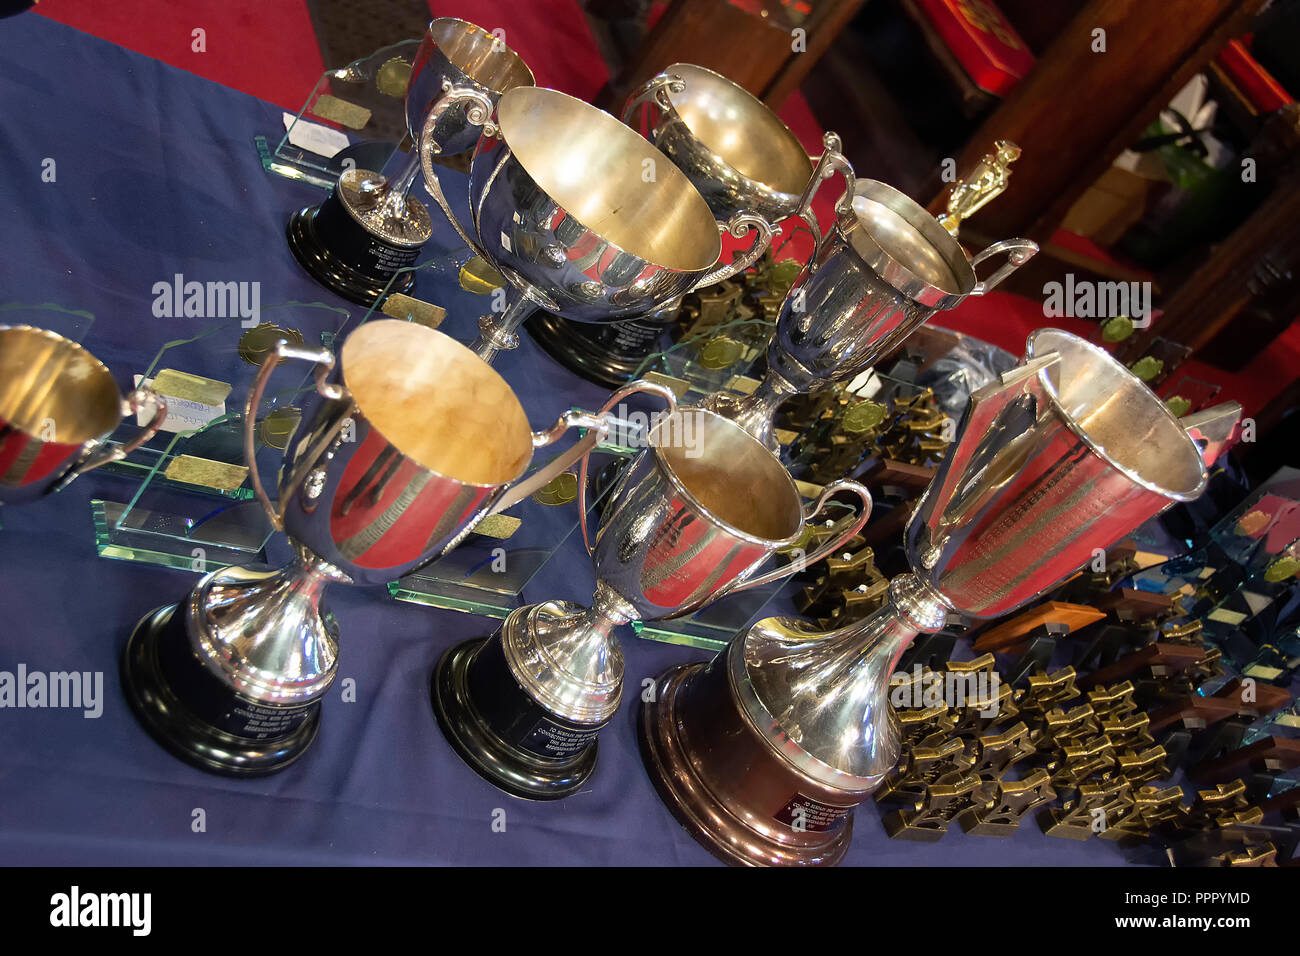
(886, 267)
(763, 753)
(751, 170)
(578, 213)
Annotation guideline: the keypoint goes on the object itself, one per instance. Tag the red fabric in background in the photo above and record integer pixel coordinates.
(263, 47)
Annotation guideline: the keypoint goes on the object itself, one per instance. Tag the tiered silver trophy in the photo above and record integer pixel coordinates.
(404, 446)
(58, 405)
(886, 266)
(763, 753)
(578, 213)
(690, 520)
(370, 227)
(750, 169)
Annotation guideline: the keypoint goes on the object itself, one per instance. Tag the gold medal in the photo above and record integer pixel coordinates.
(480, 278)
(275, 429)
(720, 352)
(560, 490)
(257, 343)
(393, 77)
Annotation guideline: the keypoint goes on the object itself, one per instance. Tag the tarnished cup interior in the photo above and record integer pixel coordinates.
(437, 402)
(479, 55)
(740, 129)
(728, 475)
(1118, 417)
(594, 168)
(46, 380)
(905, 243)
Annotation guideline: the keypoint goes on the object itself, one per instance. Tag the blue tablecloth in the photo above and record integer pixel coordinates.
(156, 174)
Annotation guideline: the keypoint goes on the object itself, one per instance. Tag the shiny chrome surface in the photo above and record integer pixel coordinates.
(735, 150)
(691, 519)
(580, 215)
(58, 405)
(264, 632)
(407, 442)
(1062, 455)
(456, 61)
(1075, 455)
(885, 268)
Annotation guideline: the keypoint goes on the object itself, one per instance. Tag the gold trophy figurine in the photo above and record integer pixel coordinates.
(988, 179)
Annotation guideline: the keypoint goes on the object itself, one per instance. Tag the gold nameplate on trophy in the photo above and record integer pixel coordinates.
(500, 527)
(219, 475)
(401, 306)
(341, 111)
(191, 388)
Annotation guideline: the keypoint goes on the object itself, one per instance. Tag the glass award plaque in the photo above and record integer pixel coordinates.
(184, 500)
(355, 113)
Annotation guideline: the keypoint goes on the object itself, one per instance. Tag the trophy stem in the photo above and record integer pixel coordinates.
(231, 679)
(398, 188)
(756, 412)
(758, 769)
(498, 332)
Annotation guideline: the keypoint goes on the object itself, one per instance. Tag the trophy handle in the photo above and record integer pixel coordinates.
(1021, 251)
(831, 161)
(830, 547)
(741, 223)
(478, 111)
(650, 388)
(324, 360)
(133, 404)
(654, 91)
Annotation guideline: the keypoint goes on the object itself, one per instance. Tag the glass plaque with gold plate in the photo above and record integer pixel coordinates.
(184, 500)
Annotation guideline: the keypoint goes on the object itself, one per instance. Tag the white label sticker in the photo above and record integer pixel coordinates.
(183, 414)
(314, 137)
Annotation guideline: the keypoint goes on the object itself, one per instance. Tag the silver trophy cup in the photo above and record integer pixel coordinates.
(405, 444)
(690, 520)
(1062, 456)
(371, 227)
(578, 213)
(58, 405)
(886, 267)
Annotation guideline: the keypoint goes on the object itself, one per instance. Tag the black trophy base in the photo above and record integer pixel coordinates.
(182, 732)
(333, 247)
(506, 767)
(609, 354)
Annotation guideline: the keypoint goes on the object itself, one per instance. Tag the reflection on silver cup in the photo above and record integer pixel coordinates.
(406, 443)
(1063, 455)
(58, 405)
(687, 522)
(370, 227)
(579, 214)
(884, 269)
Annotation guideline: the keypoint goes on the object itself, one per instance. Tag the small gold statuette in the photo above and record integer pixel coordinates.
(988, 179)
